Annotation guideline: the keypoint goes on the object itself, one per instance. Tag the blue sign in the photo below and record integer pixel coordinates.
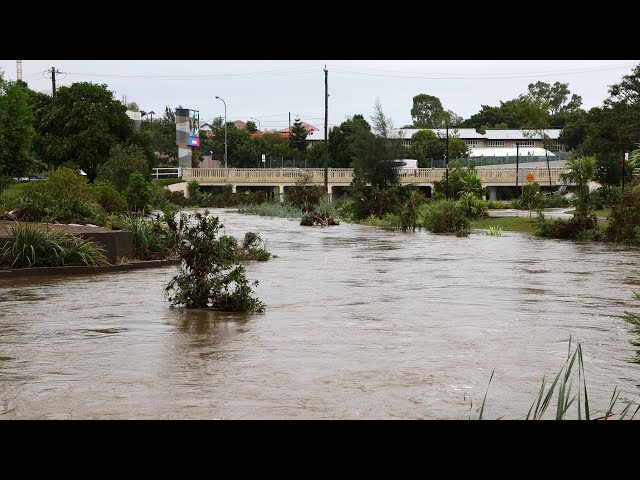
(194, 141)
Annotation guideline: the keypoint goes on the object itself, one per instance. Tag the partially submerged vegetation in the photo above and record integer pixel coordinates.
(211, 276)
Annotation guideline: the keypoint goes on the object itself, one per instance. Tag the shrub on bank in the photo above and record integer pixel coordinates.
(444, 216)
(31, 246)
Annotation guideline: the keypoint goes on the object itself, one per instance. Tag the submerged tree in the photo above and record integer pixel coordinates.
(210, 275)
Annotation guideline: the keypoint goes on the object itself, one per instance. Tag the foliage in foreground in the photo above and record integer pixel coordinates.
(444, 216)
(561, 387)
(210, 275)
(45, 247)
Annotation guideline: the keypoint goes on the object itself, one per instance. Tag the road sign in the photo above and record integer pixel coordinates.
(530, 177)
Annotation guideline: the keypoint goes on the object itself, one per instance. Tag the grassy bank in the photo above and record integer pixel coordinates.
(605, 212)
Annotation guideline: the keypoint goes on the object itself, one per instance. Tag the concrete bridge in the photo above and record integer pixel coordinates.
(277, 179)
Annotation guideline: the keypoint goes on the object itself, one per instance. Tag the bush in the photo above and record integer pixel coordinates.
(31, 246)
(177, 198)
(625, 217)
(108, 197)
(444, 216)
(271, 210)
(193, 187)
(210, 276)
(65, 197)
(606, 196)
(577, 228)
(138, 192)
(473, 206)
(149, 238)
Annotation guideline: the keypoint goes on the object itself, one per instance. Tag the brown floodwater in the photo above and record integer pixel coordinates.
(360, 323)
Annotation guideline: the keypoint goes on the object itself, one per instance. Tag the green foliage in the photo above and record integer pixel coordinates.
(427, 112)
(625, 217)
(532, 197)
(304, 194)
(17, 134)
(461, 180)
(373, 160)
(634, 319)
(577, 228)
(31, 246)
(64, 197)
(108, 197)
(210, 276)
(151, 239)
(556, 96)
(138, 192)
(193, 187)
(444, 216)
(409, 216)
(123, 161)
(271, 210)
(494, 231)
(474, 207)
(581, 171)
(341, 139)
(254, 248)
(606, 196)
(426, 146)
(82, 123)
(298, 136)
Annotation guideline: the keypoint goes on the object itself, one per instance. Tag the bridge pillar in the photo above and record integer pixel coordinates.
(281, 193)
(330, 192)
(233, 188)
(493, 193)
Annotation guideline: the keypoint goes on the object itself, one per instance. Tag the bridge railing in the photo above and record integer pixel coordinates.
(344, 176)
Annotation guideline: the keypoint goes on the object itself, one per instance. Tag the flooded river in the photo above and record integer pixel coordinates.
(360, 323)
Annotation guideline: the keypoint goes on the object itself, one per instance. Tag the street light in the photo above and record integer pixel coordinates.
(256, 121)
(225, 131)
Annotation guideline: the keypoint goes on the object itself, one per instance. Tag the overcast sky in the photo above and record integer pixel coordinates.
(268, 90)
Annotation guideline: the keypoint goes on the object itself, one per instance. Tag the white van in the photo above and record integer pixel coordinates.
(408, 163)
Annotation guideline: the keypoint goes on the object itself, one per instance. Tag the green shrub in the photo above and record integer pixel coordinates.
(138, 192)
(177, 198)
(149, 238)
(31, 246)
(625, 217)
(576, 228)
(210, 276)
(606, 196)
(108, 197)
(443, 216)
(271, 210)
(473, 206)
(193, 187)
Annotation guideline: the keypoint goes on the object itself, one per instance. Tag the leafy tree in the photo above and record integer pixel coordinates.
(614, 128)
(138, 192)
(16, 130)
(580, 172)
(427, 111)
(133, 107)
(426, 146)
(556, 96)
(169, 115)
(251, 127)
(81, 125)
(162, 136)
(340, 140)
(122, 162)
(298, 136)
(316, 154)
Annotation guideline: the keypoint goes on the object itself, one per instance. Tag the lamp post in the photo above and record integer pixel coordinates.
(259, 129)
(225, 131)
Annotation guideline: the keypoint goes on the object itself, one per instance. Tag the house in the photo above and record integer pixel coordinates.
(310, 128)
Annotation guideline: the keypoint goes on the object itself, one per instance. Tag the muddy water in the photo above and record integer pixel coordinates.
(361, 323)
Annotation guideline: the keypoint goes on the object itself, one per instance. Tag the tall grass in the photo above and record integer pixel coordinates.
(147, 236)
(561, 388)
(271, 210)
(44, 247)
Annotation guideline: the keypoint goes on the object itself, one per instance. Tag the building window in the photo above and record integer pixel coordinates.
(495, 143)
(471, 143)
(526, 143)
(406, 143)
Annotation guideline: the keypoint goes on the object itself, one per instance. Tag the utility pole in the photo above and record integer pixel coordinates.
(517, 162)
(624, 157)
(53, 80)
(446, 159)
(289, 124)
(18, 69)
(326, 143)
